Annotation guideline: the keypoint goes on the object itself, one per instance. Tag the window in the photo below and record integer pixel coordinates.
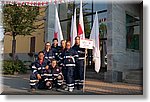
(32, 45)
(132, 32)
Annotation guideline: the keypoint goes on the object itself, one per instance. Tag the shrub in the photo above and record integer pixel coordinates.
(9, 67)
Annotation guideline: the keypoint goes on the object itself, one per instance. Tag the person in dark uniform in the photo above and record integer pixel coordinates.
(40, 66)
(68, 60)
(56, 48)
(49, 52)
(62, 49)
(79, 70)
(56, 74)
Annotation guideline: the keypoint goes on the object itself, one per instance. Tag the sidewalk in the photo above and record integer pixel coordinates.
(100, 87)
(19, 84)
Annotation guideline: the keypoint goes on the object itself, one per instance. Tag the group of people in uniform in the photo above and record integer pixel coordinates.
(60, 67)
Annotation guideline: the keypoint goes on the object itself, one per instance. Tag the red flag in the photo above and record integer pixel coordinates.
(81, 23)
(58, 31)
(55, 34)
(80, 30)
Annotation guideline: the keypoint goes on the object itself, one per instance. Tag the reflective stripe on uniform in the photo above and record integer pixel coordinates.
(77, 80)
(59, 83)
(76, 56)
(81, 58)
(34, 67)
(73, 59)
(82, 81)
(60, 58)
(32, 83)
(48, 79)
(34, 80)
(68, 56)
(41, 68)
(46, 74)
(70, 65)
(34, 71)
(46, 57)
(59, 80)
(56, 74)
(70, 85)
(50, 57)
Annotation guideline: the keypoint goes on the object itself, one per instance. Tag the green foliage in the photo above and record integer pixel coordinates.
(9, 67)
(103, 30)
(20, 19)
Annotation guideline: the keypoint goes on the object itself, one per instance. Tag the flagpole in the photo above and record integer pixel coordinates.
(84, 69)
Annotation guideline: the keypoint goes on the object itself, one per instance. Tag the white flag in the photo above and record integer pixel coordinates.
(95, 37)
(71, 31)
(81, 23)
(73, 28)
(58, 31)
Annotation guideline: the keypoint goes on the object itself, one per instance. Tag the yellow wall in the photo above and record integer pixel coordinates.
(23, 42)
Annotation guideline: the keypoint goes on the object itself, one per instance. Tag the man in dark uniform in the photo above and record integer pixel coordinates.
(79, 70)
(62, 49)
(40, 66)
(49, 52)
(56, 48)
(68, 60)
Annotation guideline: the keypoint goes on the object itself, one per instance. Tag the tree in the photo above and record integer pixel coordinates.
(19, 20)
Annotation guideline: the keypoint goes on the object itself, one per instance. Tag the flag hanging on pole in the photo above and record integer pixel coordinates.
(95, 37)
(73, 28)
(57, 31)
(81, 23)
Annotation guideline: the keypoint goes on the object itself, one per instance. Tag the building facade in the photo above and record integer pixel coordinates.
(125, 39)
(121, 34)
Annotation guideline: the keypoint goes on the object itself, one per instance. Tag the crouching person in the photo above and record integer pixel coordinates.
(39, 67)
(57, 77)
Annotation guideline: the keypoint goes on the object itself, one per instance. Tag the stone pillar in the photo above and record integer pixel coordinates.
(111, 75)
(50, 21)
(119, 58)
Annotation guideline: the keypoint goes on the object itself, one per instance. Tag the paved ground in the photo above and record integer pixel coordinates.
(19, 84)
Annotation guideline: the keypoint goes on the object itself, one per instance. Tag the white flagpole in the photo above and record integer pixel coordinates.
(84, 70)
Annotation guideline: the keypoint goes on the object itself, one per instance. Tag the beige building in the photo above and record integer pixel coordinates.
(26, 46)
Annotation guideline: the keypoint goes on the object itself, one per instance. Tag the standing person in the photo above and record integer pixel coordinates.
(48, 52)
(62, 49)
(56, 48)
(79, 70)
(68, 59)
(40, 66)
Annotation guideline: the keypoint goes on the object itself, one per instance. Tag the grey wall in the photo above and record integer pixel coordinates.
(120, 58)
